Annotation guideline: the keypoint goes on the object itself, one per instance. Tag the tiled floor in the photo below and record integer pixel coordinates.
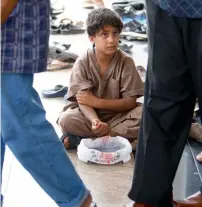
(188, 179)
(109, 184)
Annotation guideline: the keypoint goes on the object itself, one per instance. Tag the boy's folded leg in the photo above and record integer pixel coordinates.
(128, 124)
(72, 121)
(75, 127)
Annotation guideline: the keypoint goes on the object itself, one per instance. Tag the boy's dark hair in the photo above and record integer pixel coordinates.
(98, 18)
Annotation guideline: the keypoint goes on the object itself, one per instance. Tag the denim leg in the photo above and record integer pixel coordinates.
(2, 153)
(2, 160)
(34, 142)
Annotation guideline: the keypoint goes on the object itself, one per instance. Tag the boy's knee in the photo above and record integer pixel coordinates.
(65, 121)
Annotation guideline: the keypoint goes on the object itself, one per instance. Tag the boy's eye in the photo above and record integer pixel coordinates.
(116, 33)
(105, 34)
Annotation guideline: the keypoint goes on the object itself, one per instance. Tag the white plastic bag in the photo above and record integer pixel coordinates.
(105, 150)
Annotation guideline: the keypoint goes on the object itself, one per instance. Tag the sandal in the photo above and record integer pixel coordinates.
(69, 27)
(74, 140)
(133, 36)
(126, 47)
(59, 65)
(142, 72)
(57, 8)
(57, 91)
(62, 46)
(55, 27)
(59, 54)
(133, 30)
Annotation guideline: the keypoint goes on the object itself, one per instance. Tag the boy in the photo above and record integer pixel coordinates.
(104, 86)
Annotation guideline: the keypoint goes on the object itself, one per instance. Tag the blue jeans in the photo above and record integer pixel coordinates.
(2, 160)
(34, 142)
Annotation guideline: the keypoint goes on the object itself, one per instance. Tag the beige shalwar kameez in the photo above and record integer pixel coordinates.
(121, 80)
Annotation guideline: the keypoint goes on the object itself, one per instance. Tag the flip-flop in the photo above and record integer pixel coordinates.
(59, 54)
(142, 72)
(57, 8)
(136, 5)
(121, 3)
(70, 28)
(57, 91)
(126, 47)
(134, 26)
(55, 27)
(62, 46)
(134, 36)
(74, 140)
(59, 65)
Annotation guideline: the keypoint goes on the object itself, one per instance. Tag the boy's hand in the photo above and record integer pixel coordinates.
(86, 98)
(100, 128)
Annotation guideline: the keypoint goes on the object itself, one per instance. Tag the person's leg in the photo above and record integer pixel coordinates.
(74, 126)
(168, 110)
(34, 142)
(195, 53)
(129, 124)
(3, 147)
(193, 47)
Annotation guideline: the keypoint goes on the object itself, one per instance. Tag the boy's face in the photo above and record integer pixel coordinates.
(106, 40)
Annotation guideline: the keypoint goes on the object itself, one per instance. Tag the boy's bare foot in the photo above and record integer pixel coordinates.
(88, 201)
(199, 157)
